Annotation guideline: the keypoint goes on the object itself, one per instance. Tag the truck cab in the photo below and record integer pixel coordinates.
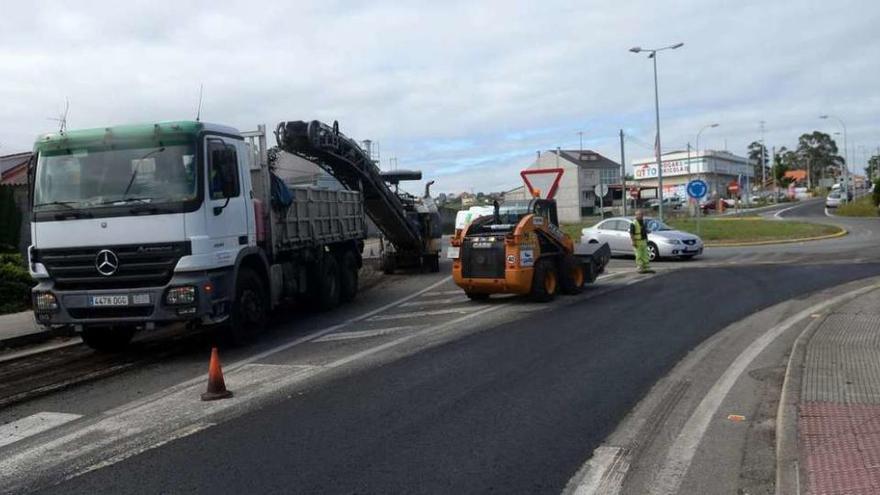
(140, 225)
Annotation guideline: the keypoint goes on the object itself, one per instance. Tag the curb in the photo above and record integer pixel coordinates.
(788, 470)
(841, 233)
(27, 339)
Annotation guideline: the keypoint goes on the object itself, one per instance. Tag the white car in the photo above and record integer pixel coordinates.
(663, 241)
(833, 200)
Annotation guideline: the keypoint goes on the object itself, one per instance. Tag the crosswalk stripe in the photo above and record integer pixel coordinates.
(32, 425)
(420, 314)
(429, 302)
(361, 334)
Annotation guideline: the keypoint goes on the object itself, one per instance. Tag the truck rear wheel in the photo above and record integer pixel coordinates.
(348, 277)
(389, 263)
(250, 308)
(572, 275)
(325, 289)
(545, 280)
(108, 339)
(477, 296)
(432, 262)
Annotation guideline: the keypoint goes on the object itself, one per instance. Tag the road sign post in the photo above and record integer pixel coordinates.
(697, 190)
(601, 190)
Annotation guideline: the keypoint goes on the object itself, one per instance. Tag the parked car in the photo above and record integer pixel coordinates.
(663, 241)
(712, 204)
(833, 199)
(669, 203)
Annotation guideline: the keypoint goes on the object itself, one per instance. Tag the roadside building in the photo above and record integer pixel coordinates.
(798, 177)
(14, 174)
(583, 171)
(718, 168)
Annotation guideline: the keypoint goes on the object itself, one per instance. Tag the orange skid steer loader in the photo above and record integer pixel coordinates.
(519, 249)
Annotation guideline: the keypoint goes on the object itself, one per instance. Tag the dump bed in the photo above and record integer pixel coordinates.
(318, 216)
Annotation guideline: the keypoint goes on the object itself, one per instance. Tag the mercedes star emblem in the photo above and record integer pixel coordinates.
(106, 262)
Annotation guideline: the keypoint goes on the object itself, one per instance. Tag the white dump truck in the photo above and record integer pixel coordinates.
(143, 225)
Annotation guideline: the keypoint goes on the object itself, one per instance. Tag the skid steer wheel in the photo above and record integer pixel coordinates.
(348, 277)
(572, 275)
(249, 312)
(108, 339)
(476, 296)
(545, 281)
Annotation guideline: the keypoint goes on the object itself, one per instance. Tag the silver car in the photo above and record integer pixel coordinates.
(663, 241)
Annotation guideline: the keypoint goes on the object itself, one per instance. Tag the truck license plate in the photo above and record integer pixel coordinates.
(108, 300)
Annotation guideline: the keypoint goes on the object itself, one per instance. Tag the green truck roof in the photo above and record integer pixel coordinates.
(121, 136)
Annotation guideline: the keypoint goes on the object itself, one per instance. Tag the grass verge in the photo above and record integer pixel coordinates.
(745, 230)
(862, 207)
(736, 230)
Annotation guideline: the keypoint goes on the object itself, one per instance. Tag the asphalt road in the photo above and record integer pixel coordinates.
(513, 409)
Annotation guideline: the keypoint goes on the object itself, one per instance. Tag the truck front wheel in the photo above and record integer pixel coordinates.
(249, 310)
(108, 339)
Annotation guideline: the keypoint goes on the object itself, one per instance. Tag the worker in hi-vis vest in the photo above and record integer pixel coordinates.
(638, 233)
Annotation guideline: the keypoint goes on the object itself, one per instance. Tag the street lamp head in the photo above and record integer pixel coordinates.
(714, 125)
(823, 116)
(677, 45)
(636, 49)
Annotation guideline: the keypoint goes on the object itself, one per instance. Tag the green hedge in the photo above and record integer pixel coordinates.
(15, 284)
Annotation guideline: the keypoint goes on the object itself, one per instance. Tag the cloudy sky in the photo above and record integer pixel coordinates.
(467, 91)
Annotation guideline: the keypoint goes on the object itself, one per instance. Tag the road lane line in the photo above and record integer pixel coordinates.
(361, 334)
(780, 212)
(421, 314)
(33, 425)
(443, 293)
(429, 302)
(681, 453)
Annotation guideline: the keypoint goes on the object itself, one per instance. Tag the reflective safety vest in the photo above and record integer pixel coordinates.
(637, 231)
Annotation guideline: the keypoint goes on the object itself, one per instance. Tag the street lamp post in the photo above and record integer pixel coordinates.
(707, 126)
(653, 55)
(845, 157)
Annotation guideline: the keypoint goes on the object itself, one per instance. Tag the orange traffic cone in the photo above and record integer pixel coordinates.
(216, 385)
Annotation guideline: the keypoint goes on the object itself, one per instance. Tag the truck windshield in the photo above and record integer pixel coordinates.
(73, 179)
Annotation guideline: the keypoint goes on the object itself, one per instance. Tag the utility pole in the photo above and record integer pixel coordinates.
(763, 159)
(623, 192)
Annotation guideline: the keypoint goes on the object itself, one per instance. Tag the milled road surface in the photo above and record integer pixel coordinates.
(513, 409)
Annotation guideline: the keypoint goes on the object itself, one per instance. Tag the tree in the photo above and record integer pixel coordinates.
(817, 153)
(873, 169)
(782, 163)
(758, 156)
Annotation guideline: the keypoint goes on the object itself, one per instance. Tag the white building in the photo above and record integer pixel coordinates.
(582, 172)
(718, 168)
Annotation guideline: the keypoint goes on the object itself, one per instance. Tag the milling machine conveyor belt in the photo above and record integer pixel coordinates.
(345, 160)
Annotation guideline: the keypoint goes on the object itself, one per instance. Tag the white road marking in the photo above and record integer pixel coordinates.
(780, 212)
(420, 314)
(828, 213)
(32, 425)
(682, 452)
(360, 334)
(600, 478)
(443, 293)
(429, 302)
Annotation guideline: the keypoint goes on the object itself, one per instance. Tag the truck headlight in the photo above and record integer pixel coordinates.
(45, 301)
(181, 295)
